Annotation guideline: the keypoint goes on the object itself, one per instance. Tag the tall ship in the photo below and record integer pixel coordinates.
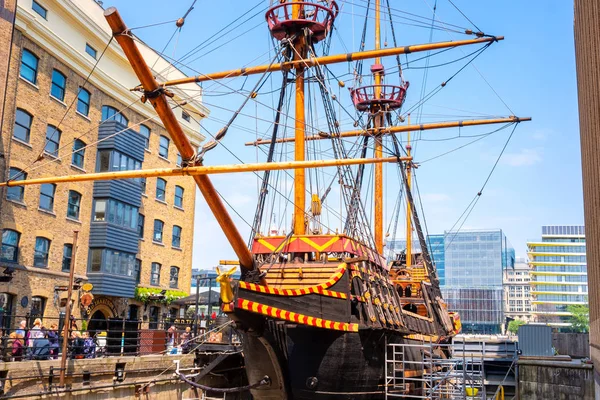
(318, 304)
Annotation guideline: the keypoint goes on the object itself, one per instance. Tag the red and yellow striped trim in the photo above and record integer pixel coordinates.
(318, 289)
(227, 307)
(294, 317)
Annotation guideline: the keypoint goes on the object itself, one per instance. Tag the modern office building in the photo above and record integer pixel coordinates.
(558, 272)
(60, 118)
(474, 261)
(517, 297)
(437, 250)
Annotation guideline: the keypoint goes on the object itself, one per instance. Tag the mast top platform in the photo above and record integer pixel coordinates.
(391, 97)
(289, 18)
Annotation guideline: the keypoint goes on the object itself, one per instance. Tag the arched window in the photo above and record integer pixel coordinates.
(83, 102)
(22, 129)
(109, 112)
(67, 256)
(47, 196)
(15, 193)
(163, 147)
(74, 204)
(174, 277)
(42, 249)
(158, 231)
(145, 132)
(161, 188)
(155, 274)
(10, 245)
(59, 85)
(29, 66)
(78, 153)
(52, 140)
(178, 197)
(176, 239)
(38, 305)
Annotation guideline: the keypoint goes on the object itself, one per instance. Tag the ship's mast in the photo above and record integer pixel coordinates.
(378, 116)
(300, 51)
(408, 206)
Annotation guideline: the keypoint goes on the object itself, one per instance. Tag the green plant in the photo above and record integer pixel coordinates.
(146, 295)
(84, 325)
(513, 326)
(580, 318)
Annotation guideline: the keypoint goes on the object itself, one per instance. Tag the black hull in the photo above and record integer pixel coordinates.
(312, 363)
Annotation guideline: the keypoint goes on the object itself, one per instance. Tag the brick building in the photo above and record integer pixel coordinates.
(133, 234)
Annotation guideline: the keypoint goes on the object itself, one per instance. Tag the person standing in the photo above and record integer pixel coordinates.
(53, 339)
(35, 333)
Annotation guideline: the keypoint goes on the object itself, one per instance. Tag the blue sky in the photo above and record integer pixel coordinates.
(538, 179)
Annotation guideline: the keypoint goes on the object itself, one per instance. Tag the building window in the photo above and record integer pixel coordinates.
(22, 128)
(38, 304)
(15, 193)
(112, 262)
(59, 83)
(155, 274)
(90, 50)
(178, 196)
(109, 112)
(176, 240)
(10, 245)
(29, 66)
(47, 196)
(140, 227)
(158, 231)
(67, 256)
(143, 185)
(78, 153)
(83, 102)
(174, 277)
(153, 317)
(137, 271)
(161, 188)
(116, 212)
(100, 210)
(145, 132)
(52, 140)
(179, 160)
(74, 204)
(35, 6)
(40, 255)
(163, 147)
(186, 117)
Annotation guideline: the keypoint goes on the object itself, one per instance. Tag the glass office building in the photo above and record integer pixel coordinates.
(558, 269)
(437, 249)
(474, 261)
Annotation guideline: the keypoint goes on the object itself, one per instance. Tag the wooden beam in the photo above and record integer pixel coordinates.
(326, 60)
(159, 101)
(401, 128)
(202, 170)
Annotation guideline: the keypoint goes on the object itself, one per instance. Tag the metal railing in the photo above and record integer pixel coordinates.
(22, 339)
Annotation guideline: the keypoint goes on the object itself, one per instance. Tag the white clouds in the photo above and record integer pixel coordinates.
(523, 158)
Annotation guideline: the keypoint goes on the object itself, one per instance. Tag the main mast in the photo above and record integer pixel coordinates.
(300, 52)
(377, 70)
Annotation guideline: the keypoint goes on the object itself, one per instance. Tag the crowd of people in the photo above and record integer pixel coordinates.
(42, 343)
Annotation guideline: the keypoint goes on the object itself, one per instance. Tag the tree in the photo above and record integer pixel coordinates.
(580, 318)
(513, 326)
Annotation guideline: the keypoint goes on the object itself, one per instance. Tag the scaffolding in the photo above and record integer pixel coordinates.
(429, 371)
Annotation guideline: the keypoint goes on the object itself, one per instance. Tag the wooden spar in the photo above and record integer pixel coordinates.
(378, 153)
(300, 52)
(402, 128)
(202, 170)
(408, 208)
(158, 100)
(325, 60)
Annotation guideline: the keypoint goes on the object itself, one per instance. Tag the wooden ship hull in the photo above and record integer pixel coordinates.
(320, 328)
